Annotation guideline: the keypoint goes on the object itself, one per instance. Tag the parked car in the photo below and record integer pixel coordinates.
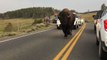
(95, 22)
(81, 21)
(76, 25)
(58, 24)
(78, 22)
(101, 34)
(96, 19)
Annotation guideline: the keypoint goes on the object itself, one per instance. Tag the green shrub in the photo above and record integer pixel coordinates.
(8, 28)
(37, 21)
(29, 30)
(33, 29)
(11, 34)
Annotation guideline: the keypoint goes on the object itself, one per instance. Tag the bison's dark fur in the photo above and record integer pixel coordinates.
(67, 19)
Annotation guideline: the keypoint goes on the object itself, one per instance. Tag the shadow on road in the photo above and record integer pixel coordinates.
(104, 59)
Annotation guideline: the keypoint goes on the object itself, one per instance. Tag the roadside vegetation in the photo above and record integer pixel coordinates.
(19, 26)
(12, 27)
(88, 16)
(32, 12)
(24, 20)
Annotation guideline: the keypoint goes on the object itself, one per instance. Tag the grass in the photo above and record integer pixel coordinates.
(88, 16)
(23, 26)
(17, 23)
(20, 26)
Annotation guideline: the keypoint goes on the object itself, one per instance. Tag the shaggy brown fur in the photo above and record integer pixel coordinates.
(67, 19)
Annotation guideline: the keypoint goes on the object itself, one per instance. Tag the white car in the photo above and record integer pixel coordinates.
(58, 24)
(82, 21)
(76, 23)
(101, 34)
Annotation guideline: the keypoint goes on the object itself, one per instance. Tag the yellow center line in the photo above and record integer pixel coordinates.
(67, 45)
(72, 46)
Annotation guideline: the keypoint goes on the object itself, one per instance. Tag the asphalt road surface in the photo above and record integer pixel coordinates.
(86, 48)
(46, 46)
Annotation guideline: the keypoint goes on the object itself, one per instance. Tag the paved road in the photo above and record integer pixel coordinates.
(40, 46)
(86, 49)
(46, 45)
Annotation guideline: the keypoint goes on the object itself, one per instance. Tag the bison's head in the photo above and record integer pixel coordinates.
(66, 10)
(64, 14)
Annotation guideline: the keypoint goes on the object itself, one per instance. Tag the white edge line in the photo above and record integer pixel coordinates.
(24, 36)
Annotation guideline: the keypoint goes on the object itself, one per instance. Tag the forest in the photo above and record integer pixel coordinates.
(33, 12)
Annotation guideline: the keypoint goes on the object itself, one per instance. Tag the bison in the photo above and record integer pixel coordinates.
(67, 19)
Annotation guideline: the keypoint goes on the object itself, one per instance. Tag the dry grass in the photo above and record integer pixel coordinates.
(21, 26)
(88, 16)
(17, 23)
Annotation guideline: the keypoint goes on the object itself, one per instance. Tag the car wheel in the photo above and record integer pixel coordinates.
(97, 42)
(77, 26)
(94, 29)
(57, 27)
(74, 27)
(101, 51)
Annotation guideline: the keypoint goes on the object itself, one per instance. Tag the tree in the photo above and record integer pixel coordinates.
(103, 7)
(34, 12)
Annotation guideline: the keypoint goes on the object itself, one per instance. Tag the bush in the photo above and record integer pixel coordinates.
(33, 29)
(37, 21)
(11, 34)
(9, 27)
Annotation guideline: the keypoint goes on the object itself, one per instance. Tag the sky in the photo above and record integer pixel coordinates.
(78, 5)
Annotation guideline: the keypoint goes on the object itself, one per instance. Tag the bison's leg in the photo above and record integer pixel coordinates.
(68, 30)
(64, 29)
(71, 29)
